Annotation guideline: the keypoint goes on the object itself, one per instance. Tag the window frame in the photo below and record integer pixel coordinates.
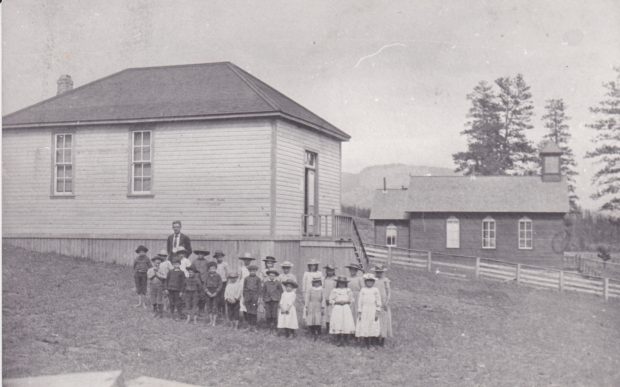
(394, 228)
(492, 241)
(54, 193)
(132, 162)
(453, 220)
(523, 246)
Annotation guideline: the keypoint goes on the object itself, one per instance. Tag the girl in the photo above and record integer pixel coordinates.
(244, 272)
(314, 307)
(341, 321)
(368, 309)
(385, 317)
(287, 316)
(313, 268)
(270, 263)
(232, 296)
(355, 283)
(286, 273)
(141, 265)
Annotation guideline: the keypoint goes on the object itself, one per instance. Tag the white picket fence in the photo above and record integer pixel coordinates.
(494, 269)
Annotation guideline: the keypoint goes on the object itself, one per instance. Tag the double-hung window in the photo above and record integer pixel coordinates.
(525, 234)
(391, 232)
(488, 233)
(141, 159)
(63, 164)
(452, 233)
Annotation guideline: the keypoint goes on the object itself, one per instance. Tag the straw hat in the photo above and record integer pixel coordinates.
(286, 264)
(247, 256)
(369, 277)
(290, 282)
(312, 262)
(218, 253)
(141, 248)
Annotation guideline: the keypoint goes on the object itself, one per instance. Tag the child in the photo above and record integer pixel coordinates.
(181, 255)
(251, 296)
(368, 309)
(193, 289)
(385, 317)
(200, 263)
(355, 284)
(213, 287)
(232, 295)
(270, 263)
(314, 307)
(244, 272)
(341, 322)
(164, 267)
(157, 280)
(175, 284)
(271, 294)
(287, 317)
(328, 285)
(141, 265)
(286, 273)
(306, 281)
(223, 270)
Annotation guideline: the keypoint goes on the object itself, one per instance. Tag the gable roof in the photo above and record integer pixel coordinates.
(523, 194)
(389, 204)
(197, 91)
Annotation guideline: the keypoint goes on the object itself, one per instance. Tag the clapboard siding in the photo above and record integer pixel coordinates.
(291, 143)
(226, 193)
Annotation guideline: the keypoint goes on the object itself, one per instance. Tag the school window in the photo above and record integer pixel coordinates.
(452, 233)
(525, 234)
(63, 164)
(141, 174)
(488, 233)
(391, 232)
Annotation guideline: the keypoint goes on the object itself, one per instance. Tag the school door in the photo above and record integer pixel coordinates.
(312, 225)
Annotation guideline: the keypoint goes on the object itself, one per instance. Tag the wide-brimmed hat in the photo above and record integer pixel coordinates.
(141, 248)
(341, 278)
(379, 268)
(286, 264)
(369, 277)
(355, 266)
(211, 264)
(274, 271)
(163, 253)
(269, 258)
(317, 279)
(218, 253)
(290, 282)
(157, 258)
(329, 267)
(233, 275)
(312, 262)
(253, 267)
(202, 251)
(181, 250)
(247, 256)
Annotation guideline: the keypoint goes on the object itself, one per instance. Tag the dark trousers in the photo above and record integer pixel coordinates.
(140, 279)
(191, 301)
(221, 302)
(271, 310)
(251, 318)
(175, 302)
(233, 310)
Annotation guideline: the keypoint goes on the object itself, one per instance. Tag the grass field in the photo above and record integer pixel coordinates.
(67, 315)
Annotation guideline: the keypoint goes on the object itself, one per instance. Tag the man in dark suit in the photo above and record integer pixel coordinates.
(177, 239)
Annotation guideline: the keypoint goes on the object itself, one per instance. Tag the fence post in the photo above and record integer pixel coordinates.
(389, 256)
(518, 273)
(428, 260)
(477, 271)
(561, 280)
(606, 288)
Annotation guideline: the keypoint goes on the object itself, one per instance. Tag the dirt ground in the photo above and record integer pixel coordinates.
(68, 315)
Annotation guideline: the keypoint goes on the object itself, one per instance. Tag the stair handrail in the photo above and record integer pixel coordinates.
(359, 238)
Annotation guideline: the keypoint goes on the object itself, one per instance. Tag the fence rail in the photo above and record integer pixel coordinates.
(497, 270)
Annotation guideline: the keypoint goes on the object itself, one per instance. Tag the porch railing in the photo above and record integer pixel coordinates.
(327, 226)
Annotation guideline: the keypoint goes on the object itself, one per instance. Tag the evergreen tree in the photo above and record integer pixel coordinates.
(555, 120)
(606, 153)
(496, 141)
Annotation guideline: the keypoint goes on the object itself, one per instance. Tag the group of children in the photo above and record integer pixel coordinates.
(354, 306)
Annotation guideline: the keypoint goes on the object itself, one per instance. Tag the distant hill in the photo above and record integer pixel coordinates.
(358, 188)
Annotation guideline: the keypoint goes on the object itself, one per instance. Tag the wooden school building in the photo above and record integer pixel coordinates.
(515, 218)
(98, 169)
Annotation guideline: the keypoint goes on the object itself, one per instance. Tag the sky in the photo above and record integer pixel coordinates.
(392, 74)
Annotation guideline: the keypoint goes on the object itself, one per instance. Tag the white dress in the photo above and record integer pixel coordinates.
(243, 272)
(341, 320)
(369, 305)
(287, 304)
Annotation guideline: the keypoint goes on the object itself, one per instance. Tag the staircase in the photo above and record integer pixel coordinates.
(358, 247)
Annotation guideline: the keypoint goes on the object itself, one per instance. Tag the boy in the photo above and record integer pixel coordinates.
(223, 270)
(232, 295)
(251, 296)
(193, 289)
(157, 280)
(243, 274)
(270, 263)
(141, 265)
(175, 284)
(272, 292)
(213, 287)
(328, 285)
(200, 263)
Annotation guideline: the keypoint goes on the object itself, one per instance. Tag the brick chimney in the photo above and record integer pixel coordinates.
(65, 83)
(550, 156)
